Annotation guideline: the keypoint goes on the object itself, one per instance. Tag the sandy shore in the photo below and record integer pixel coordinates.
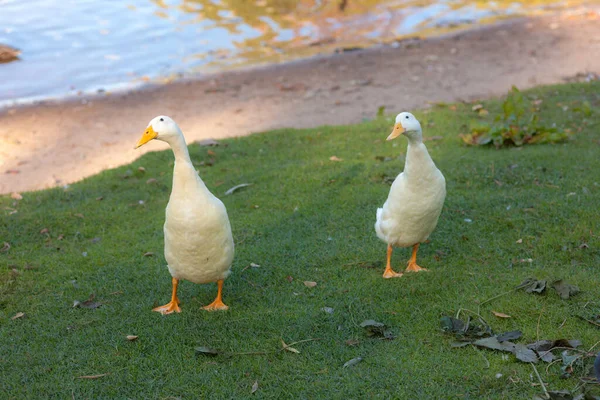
(54, 144)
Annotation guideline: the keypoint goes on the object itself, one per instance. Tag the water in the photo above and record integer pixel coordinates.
(71, 47)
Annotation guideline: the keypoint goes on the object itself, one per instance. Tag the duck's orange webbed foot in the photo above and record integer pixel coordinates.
(173, 305)
(412, 263)
(169, 308)
(413, 267)
(218, 304)
(389, 272)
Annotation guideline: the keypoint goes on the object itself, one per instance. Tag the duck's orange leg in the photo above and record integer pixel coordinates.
(389, 272)
(218, 304)
(173, 305)
(412, 263)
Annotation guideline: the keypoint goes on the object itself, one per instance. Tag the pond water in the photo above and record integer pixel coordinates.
(79, 46)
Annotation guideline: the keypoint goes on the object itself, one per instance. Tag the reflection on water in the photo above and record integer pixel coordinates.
(82, 45)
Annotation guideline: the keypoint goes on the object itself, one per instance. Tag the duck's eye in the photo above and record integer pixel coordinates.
(162, 119)
(406, 117)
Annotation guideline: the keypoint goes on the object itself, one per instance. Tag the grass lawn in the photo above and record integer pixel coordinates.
(307, 218)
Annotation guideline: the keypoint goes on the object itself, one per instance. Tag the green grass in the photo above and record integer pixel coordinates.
(312, 219)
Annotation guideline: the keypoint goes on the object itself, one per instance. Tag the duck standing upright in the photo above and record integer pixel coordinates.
(198, 240)
(416, 197)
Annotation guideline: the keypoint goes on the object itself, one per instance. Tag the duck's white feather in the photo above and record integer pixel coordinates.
(198, 241)
(415, 201)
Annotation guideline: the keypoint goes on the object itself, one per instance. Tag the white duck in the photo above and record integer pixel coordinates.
(198, 240)
(416, 197)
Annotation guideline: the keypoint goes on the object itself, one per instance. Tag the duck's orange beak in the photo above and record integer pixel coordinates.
(397, 131)
(146, 137)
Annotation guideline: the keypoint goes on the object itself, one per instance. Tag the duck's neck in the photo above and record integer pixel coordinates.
(185, 176)
(418, 161)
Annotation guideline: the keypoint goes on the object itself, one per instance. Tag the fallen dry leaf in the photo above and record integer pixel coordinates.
(16, 196)
(335, 158)
(206, 351)
(150, 181)
(141, 169)
(233, 189)
(352, 342)
(519, 241)
(5, 247)
(310, 284)
(352, 362)
(89, 303)
(45, 230)
(18, 315)
(148, 254)
(500, 315)
(92, 376)
(254, 387)
(131, 338)
(78, 215)
(288, 348)
(99, 198)
(477, 107)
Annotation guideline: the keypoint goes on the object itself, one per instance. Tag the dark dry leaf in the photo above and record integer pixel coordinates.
(493, 343)
(236, 187)
(532, 285)
(512, 335)
(374, 328)
(206, 351)
(524, 354)
(564, 289)
(352, 362)
(89, 303)
(451, 324)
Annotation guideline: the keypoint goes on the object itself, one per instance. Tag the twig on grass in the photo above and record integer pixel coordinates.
(546, 395)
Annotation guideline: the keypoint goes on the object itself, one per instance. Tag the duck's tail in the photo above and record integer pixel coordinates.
(378, 222)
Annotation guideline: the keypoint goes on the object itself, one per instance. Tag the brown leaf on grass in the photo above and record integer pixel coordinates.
(78, 215)
(43, 231)
(99, 198)
(93, 376)
(211, 153)
(60, 237)
(5, 247)
(151, 181)
(289, 278)
(310, 284)
(352, 342)
(288, 348)
(17, 316)
(142, 169)
(254, 387)
(89, 303)
(148, 254)
(335, 158)
(500, 315)
(132, 338)
(519, 241)
(16, 196)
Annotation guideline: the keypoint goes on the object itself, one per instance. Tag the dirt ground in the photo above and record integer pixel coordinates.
(53, 144)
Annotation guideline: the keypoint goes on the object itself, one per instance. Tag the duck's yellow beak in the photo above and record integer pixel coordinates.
(398, 130)
(146, 137)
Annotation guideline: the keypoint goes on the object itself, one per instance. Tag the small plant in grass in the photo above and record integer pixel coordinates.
(514, 127)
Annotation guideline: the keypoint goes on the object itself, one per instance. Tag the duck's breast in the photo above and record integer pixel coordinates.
(198, 241)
